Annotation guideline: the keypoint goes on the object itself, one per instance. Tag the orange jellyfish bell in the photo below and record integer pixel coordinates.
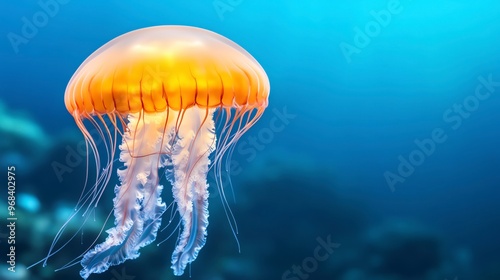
(164, 90)
(167, 67)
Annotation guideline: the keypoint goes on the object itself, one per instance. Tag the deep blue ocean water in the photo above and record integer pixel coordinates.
(388, 140)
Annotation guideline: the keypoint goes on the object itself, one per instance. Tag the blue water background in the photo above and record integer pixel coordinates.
(353, 116)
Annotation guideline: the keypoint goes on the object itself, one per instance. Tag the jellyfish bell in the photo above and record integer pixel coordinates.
(181, 67)
(174, 95)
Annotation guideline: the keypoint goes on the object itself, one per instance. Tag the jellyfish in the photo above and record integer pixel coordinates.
(179, 98)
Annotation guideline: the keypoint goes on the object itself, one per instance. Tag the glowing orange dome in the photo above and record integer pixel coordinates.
(166, 66)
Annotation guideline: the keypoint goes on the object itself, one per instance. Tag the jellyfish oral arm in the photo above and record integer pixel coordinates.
(190, 160)
(137, 205)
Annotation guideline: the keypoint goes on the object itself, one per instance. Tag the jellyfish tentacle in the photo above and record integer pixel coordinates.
(138, 205)
(190, 160)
